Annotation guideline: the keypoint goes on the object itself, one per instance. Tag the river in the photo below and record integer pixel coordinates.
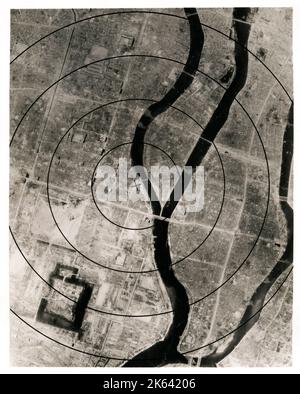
(257, 300)
(165, 352)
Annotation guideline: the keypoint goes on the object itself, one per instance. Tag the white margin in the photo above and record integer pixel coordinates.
(4, 168)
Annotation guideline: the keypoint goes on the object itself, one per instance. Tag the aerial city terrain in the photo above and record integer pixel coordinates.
(99, 282)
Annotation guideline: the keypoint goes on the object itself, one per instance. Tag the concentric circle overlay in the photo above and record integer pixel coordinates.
(83, 254)
(187, 352)
(253, 124)
(267, 165)
(89, 18)
(114, 148)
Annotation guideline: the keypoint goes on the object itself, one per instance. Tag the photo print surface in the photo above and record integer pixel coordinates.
(151, 209)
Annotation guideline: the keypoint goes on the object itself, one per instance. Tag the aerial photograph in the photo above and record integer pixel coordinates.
(151, 187)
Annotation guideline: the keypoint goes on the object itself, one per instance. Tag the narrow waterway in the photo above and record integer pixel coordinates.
(165, 352)
(258, 298)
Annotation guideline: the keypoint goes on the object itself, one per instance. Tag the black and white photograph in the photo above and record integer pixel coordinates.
(151, 188)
